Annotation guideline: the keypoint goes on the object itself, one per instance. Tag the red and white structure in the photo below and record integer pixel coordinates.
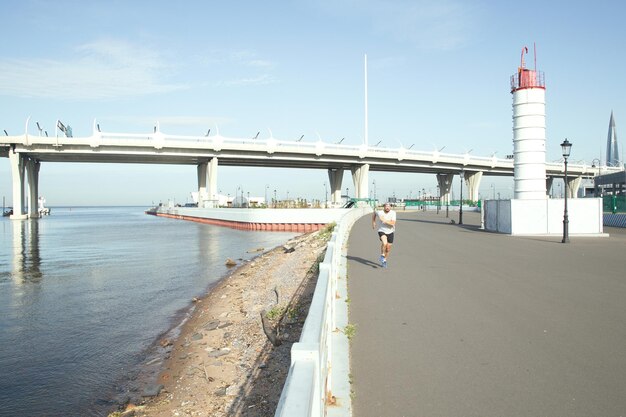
(529, 132)
(531, 212)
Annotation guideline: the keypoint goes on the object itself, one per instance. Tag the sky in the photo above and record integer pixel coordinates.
(438, 77)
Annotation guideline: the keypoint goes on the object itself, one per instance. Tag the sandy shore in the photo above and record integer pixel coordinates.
(222, 363)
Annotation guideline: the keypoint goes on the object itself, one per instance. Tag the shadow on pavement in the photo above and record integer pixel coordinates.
(364, 261)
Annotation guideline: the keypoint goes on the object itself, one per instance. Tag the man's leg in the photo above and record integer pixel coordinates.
(387, 250)
(383, 245)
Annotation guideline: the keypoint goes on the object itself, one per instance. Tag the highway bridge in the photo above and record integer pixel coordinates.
(26, 152)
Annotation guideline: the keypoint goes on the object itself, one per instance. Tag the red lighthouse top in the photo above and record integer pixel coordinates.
(527, 78)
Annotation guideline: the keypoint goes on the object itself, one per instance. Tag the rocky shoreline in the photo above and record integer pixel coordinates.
(220, 362)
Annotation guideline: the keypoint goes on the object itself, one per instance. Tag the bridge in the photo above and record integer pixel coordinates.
(26, 153)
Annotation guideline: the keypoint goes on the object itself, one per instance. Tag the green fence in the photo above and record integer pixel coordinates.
(421, 203)
(614, 204)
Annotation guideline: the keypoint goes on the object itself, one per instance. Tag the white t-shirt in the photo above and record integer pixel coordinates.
(381, 217)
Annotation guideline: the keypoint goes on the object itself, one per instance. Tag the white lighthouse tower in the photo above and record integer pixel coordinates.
(529, 132)
(531, 212)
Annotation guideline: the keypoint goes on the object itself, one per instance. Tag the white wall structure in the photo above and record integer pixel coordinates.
(544, 217)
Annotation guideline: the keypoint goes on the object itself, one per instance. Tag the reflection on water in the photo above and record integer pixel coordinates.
(26, 260)
(85, 292)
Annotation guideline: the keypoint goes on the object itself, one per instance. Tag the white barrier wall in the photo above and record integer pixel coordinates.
(246, 215)
(544, 217)
(320, 360)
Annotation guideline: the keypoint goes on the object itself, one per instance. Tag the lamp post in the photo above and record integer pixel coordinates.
(461, 202)
(266, 187)
(447, 198)
(566, 147)
(275, 201)
(374, 185)
(596, 189)
(325, 195)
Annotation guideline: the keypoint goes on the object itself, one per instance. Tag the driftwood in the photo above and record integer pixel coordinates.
(269, 331)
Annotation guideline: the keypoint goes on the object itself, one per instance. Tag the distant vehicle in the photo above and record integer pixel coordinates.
(8, 212)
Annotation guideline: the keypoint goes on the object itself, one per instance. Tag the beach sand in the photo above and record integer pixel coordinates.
(222, 363)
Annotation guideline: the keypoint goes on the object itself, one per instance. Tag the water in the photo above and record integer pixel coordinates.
(85, 292)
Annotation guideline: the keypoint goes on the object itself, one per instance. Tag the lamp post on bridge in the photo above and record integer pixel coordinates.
(325, 195)
(566, 147)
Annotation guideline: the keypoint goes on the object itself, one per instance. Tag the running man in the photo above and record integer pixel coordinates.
(386, 228)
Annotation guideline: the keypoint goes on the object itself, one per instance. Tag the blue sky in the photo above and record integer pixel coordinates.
(438, 75)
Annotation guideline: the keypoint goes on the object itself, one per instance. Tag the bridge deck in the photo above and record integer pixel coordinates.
(469, 323)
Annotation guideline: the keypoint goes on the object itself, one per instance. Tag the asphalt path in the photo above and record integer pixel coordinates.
(465, 322)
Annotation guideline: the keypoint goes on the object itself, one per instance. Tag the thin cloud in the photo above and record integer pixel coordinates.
(427, 24)
(264, 79)
(100, 70)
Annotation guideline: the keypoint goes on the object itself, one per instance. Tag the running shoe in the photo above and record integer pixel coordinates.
(382, 260)
(385, 263)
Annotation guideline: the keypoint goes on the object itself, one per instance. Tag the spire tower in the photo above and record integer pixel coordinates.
(612, 151)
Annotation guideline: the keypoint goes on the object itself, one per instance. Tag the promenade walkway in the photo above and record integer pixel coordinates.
(474, 324)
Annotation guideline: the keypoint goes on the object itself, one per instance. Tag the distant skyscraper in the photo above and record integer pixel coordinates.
(612, 152)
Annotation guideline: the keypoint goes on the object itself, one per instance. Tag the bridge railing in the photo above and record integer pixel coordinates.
(159, 140)
(319, 361)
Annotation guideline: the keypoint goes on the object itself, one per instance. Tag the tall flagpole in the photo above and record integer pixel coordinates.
(366, 128)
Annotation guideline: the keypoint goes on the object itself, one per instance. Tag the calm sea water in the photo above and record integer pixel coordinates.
(85, 292)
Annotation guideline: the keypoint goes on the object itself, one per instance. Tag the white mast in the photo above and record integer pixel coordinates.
(366, 127)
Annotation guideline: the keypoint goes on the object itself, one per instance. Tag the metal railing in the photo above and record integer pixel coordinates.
(312, 374)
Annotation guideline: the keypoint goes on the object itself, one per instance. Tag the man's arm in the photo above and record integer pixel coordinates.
(373, 220)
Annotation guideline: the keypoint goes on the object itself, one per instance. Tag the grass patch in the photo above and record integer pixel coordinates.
(275, 313)
(327, 231)
(350, 331)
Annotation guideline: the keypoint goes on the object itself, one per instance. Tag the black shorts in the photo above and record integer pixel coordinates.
(389, 236)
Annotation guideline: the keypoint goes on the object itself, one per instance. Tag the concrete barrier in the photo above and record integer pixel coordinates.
(317, 384)
(283, 220)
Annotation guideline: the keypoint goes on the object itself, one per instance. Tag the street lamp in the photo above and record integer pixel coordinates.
(325, 195)
(566, 147)
(596, 190)
(461, 203)
(447, 197)
(374, 185)
(266, 187)
(275, 201)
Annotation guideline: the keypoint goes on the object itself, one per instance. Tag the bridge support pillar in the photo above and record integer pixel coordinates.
(17, 162)
(573, 184)
(202, 180)
(32, 175)
(335, 177)
(445, 183)
(207, 184)
(212, 191)
(549, 181)
(472, 179)
(360, 178)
